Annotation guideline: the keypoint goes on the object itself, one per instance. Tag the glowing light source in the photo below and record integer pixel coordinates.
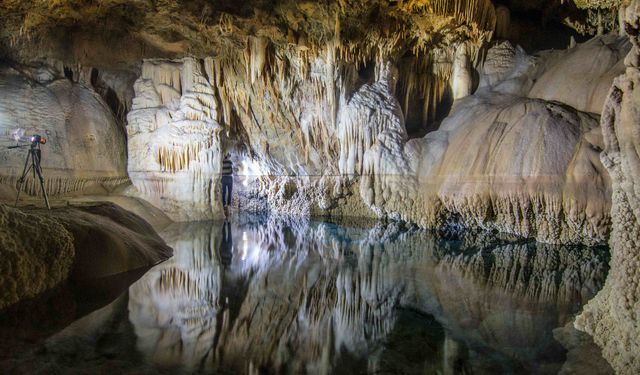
(250, 169)
(17, 134)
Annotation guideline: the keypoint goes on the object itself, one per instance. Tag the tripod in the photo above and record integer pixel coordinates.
(35, 155)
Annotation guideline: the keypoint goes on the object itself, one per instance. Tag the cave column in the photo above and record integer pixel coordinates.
(612, 316)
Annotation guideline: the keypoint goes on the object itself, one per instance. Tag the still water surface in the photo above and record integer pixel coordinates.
(263, 295)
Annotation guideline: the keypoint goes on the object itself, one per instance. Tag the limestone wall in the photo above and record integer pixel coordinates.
(85, 144)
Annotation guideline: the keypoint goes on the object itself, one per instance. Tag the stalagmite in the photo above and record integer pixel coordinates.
(462, 77)
(370, 112)
(181, 171)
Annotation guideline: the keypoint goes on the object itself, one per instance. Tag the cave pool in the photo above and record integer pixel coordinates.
(267, 295)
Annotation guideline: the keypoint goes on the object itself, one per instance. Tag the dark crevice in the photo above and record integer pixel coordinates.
(68, 73)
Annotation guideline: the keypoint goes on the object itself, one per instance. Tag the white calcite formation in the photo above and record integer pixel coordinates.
(462, 75)
(612, 317)
(174, 143)
(581, 76)
(510, 156)
(371, 112)
(491, 165)
(85, 144)
(296, 111)
(500, 160)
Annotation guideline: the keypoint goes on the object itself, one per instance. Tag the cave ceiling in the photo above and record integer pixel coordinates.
(120, 32)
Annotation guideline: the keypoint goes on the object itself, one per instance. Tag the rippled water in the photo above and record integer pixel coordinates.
(263, 295)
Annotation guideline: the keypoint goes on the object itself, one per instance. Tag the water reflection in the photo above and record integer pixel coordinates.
(226, 246)
(315, 297)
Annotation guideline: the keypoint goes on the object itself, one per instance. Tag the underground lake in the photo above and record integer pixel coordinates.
(262, 294)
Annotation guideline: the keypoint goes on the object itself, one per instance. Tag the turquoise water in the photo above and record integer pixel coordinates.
(263, 295)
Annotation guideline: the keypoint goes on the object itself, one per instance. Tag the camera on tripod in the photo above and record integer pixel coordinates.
(37, 139)
(32, 164)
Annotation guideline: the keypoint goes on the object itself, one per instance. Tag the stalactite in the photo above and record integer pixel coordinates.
(256, 57)
(163, 73)
(503, 22)
(478, 12)
(269, 93)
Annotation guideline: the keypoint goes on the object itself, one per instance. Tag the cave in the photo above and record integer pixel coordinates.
(266, 187)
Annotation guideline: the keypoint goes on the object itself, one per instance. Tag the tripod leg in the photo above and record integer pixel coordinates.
(38, 169)
(25, 171)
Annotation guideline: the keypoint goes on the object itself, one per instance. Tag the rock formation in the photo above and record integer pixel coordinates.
(36, 254)
(174, 143)
(612, 316)
(109, 240)
(501, 160)
(417, 111)
(41, 249)
(85, 145)
(527, 181)
(586, 72)
(327, 113)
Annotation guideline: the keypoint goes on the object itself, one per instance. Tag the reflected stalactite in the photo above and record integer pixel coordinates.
(297, 296)
(174, 308)
(532, 271)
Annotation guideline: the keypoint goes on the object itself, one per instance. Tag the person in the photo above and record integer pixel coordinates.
(226, 245)
(227, 182)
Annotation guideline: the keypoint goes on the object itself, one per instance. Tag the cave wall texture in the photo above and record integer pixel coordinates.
(612, 317)
(525, 160)
(330, 103)
(415, 110)
(41, 249)
(86, 146)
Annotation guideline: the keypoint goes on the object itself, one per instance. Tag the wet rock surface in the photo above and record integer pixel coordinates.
(37, 253)
(42, 249)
